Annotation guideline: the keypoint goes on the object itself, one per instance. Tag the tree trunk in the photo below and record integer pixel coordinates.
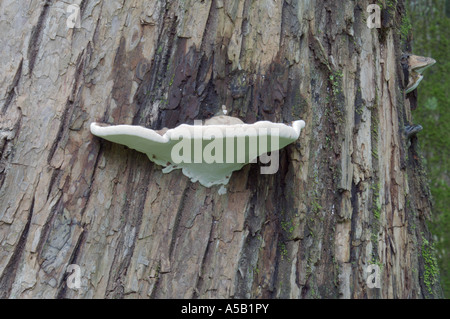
(348, 194)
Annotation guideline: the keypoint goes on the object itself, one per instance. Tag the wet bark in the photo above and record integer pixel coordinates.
(349, 193)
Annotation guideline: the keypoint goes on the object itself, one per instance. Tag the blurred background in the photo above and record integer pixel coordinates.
(429, 23)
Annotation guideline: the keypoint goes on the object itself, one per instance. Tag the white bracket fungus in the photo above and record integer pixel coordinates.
(207, 152)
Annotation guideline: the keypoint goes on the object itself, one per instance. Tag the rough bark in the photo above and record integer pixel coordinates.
(349, 193)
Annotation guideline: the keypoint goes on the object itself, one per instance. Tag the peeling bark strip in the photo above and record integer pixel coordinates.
(349, 194)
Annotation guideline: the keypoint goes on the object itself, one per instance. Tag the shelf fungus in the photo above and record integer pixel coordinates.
(412, 130)
(208, 151)
(414, 66)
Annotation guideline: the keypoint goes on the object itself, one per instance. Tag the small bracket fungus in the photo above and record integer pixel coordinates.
(411, 130)
(415, 65)
(206, 152)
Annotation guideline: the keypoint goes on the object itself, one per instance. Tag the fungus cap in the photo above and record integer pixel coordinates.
(225, 135)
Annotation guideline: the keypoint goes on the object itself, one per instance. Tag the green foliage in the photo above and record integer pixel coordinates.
(335, 79)
(377, 262)
(283, 250)
(376, 201)
(389, 4)
(288, 227)
(431, 274)
(405, 27)
(430, 27)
